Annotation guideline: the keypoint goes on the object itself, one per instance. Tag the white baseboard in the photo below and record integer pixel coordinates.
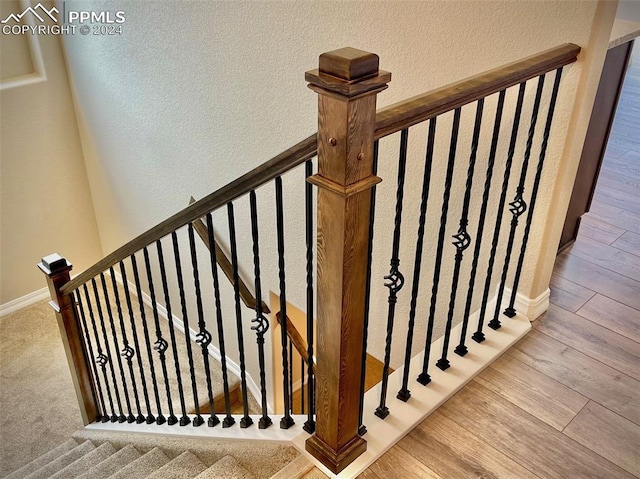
(531, 308)
(24, 301)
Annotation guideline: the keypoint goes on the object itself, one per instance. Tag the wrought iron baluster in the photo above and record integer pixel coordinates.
(424, 378)
(461, 349)
(518, 206)
(287, 421)
(228, 421)
(404, 394)
(197, 421)
(395, 278)
(77, 297)
(291, 375)
(510, 311)
(184, 419)
(261, 324)
(127, 351)
(161, 344)
(310, 424)
(301, 385)
(462, 238)
(134, 332)
(160, 419)
(246, 420)
(478, 336)
(203, 338)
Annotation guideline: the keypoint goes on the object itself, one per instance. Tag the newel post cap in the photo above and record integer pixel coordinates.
(54, 264)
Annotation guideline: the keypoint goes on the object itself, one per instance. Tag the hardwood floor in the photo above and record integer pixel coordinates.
(565, 401)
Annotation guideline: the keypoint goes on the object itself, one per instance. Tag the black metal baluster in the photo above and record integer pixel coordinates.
(395, 278)
(404, 394)
(83, 320)
(197, 421)
(228, 421)
(127, 351)
(478, 336)
(291, 375)
(362, 429)
(310, 424)
(121, 417)
(261, 324)
(461, 349)
(203, 338)
(184, 419)
(424, 378)
(246, 420)
(462, 238)
(101, 359)
(287, 421)
(510, 311)
(160, 419)
(140, 419)
(518, 206)
(301, 385)
(161, 344)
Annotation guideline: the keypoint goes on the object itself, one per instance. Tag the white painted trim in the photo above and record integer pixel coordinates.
(23, 301)
(531, 308)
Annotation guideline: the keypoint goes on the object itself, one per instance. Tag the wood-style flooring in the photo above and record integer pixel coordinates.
(565, 401)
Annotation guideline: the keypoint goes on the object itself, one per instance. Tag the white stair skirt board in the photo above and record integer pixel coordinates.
(252, 433)
(23, 301)
(383, 434)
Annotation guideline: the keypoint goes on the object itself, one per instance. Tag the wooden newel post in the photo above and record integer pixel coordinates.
(347, 82)
(57, 269)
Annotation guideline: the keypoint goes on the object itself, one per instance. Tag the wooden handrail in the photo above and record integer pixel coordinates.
(296, 339)
(388, 120)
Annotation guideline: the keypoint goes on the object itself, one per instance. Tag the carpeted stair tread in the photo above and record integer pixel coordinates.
(296, 469)
(112, 464)
(85, 463)
(43, 460)
(143, 466)
(185, 466)
(315, 473)
(226, 468)
(49, 469)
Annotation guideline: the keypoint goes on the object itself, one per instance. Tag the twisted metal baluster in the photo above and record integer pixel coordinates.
(197, 421)
(462, 238)
(127, 351)
(203, 338)
(518, 206)
(461, 349)
(395, 278)
(77, 297)
(310, 424)
(160, 419)
(510, 311)
(424, 378)
(161, 344)
(261, 324)
(478, 336)
(404, 394)
(184, 419)
(228, 421)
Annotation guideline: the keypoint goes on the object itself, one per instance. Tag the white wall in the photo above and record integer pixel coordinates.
(193, 94)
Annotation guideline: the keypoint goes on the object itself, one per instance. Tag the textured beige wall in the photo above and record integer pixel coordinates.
(45, 205)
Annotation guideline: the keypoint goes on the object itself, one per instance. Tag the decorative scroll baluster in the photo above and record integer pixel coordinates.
(103, 415)
(261, 324)
(246, 420)
(140, 419)
(184, 419)
(462, 238)
(160, 419)
(478, 336)
(404, 394)
(161, 344)
(518, 206)
(395, 278)
(203, 338)
(197, 421)
(127, 351)
(510, 311)
(310, 424)
(228, 421)
(424, 378)
(287, 421)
